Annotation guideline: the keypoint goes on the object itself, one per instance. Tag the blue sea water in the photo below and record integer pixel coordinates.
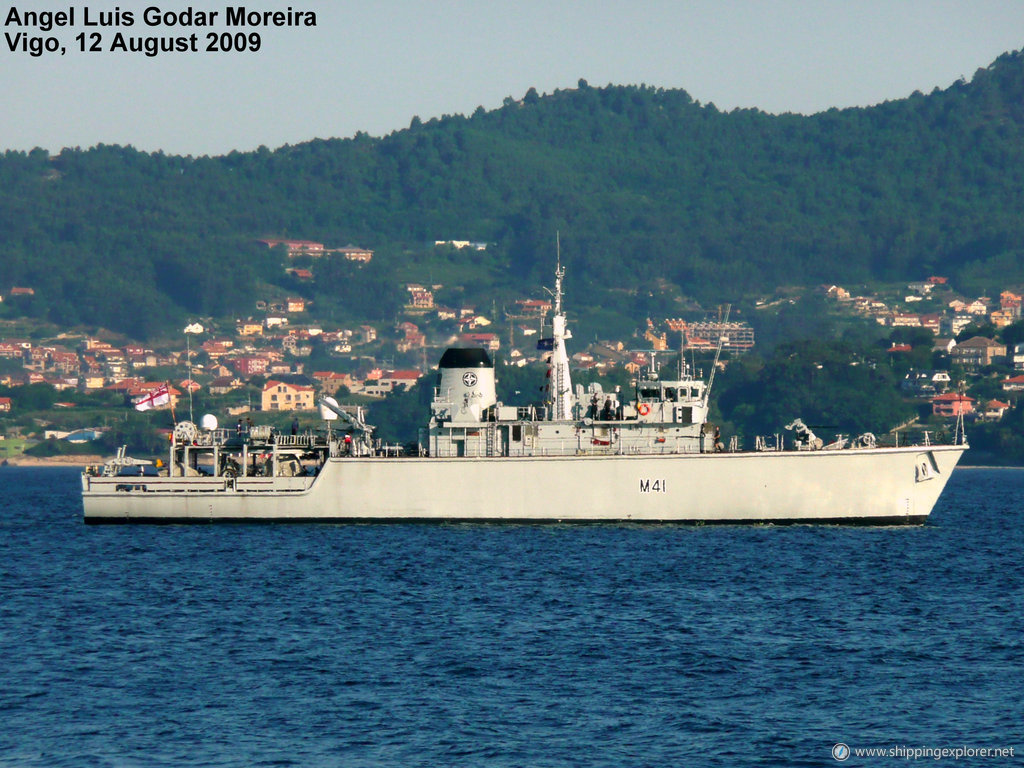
(485, 645)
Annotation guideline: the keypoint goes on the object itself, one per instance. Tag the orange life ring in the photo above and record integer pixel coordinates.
(643, 409)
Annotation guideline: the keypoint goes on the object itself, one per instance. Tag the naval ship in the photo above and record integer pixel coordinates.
(645, 456)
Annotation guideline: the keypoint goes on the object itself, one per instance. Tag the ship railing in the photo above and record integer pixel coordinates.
(764, 443)
(296, 441)
(866, 440)
(214, 437)
(257, 435)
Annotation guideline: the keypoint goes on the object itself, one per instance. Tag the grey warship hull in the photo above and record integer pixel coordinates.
(882, 486)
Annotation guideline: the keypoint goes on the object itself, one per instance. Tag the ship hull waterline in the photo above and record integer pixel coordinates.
(882, 486)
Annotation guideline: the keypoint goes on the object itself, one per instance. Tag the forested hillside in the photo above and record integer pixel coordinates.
(640, 182)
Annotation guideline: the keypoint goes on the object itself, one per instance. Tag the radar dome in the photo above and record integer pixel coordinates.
(208, 422)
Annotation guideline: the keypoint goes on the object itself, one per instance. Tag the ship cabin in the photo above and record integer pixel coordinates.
(467, 420)
(677, 402)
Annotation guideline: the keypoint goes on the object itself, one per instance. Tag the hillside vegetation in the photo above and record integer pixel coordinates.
(641, 183)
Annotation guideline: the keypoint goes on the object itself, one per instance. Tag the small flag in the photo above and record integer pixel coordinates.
(157, 397)
(545, 344)
(194, 328)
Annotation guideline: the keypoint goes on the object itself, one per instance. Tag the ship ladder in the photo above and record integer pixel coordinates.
(490, 439)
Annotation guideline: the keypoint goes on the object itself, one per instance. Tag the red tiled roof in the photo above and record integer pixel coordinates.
(952, 397)
(275, 383)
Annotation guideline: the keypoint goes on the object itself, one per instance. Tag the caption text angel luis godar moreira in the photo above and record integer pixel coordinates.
(234, 29)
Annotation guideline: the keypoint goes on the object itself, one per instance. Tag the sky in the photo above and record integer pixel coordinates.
(373, 65)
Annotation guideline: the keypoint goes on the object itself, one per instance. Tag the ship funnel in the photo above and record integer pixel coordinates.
(467, 379)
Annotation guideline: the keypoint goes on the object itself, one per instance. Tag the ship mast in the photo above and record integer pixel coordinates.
(722, 338)
(560, 383)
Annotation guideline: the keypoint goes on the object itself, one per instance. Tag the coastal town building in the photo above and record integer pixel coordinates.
(532, 307)
(354, 253)
(993, 410)
(421, 298)
(296, 247)
(249, 328)
(217, 348)
(329, 382)
(460, 244)
(955, 325)
(978, 306)
(222, 385)
(250, 365)
(932, 322)
(1013, 384)
(925, 383)
(1011, 301)
(836, 292)
(1018, 357)
(282, 396)
(488, 341)
(405, 379)
(952, 404)
(659, 341)
(736, 336)
(904, 320)
(1004, 317)
(977, 352)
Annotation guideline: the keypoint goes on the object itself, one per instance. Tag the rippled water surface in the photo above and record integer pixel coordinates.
(485, 645)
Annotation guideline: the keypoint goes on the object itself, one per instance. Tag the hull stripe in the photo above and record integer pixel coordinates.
(889, 520)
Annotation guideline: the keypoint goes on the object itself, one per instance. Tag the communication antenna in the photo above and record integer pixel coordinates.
(722, 338)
